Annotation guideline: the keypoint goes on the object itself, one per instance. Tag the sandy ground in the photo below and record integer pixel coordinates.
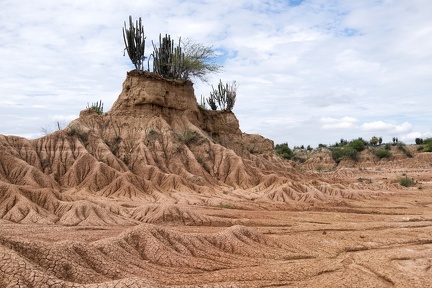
(384, 242)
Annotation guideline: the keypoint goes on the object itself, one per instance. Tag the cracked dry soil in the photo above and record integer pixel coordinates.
(383, 242)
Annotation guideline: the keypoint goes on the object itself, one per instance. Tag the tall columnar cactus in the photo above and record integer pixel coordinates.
(135, 42)
(168, 59)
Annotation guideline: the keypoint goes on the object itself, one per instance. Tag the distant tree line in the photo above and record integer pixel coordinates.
(345, 149)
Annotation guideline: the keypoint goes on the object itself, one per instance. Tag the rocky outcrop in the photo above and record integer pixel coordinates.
(155, 146)
(146, 96)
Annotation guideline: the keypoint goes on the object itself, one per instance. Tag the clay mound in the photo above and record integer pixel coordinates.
(85, 213)
(146, 255)
(44, 206)
(15, 207)
(307, 193)
(175, 214)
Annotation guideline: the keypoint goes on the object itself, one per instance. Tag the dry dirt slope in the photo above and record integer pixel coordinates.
(159, 192)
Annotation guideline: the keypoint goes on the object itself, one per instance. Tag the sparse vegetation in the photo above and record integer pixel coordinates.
(346, 152)
(134, 40)
(419, 141)
(114, 144)
(283, 150)
(97, 107)
(383, 153)
(407, 182)
(202, 103)
(183, 60)
(226, 206)
(76, 131)
(168, 59)
(223, 97)
(47, 130)
(374, 141)
(188, 136)
(358, 144)
(198, 60)
(427, 145)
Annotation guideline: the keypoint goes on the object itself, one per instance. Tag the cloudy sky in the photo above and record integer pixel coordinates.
(309, 72)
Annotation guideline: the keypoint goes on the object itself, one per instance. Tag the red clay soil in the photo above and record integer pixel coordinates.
(160, 193)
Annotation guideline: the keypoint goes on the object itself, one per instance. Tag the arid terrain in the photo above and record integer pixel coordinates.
(158, 192)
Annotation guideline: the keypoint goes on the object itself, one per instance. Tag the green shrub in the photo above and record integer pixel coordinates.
(407, 182)
(283, 151)
(383, 153)
(419, 141)
(357, 144)
(337, 154)
(346, 152)
(374, 141)
(427, 145)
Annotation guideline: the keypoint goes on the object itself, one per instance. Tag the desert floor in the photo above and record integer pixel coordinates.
(380, 241)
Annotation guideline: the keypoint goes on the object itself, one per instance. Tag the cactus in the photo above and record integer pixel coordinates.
(211, 102)
(224, 96)
(168, 60)
(97, 107)
(135, 42)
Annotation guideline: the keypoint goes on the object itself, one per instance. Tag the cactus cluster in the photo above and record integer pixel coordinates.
(134, 40)
(223, 97)
(168, 59)
(97, 107)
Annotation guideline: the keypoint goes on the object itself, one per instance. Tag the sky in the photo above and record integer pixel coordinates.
(309, 72)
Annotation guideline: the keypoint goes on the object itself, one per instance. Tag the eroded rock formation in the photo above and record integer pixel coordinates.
(154, 146)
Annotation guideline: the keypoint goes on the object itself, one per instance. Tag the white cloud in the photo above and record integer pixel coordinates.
(379, 126)
(294, 65)
(334, 123)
